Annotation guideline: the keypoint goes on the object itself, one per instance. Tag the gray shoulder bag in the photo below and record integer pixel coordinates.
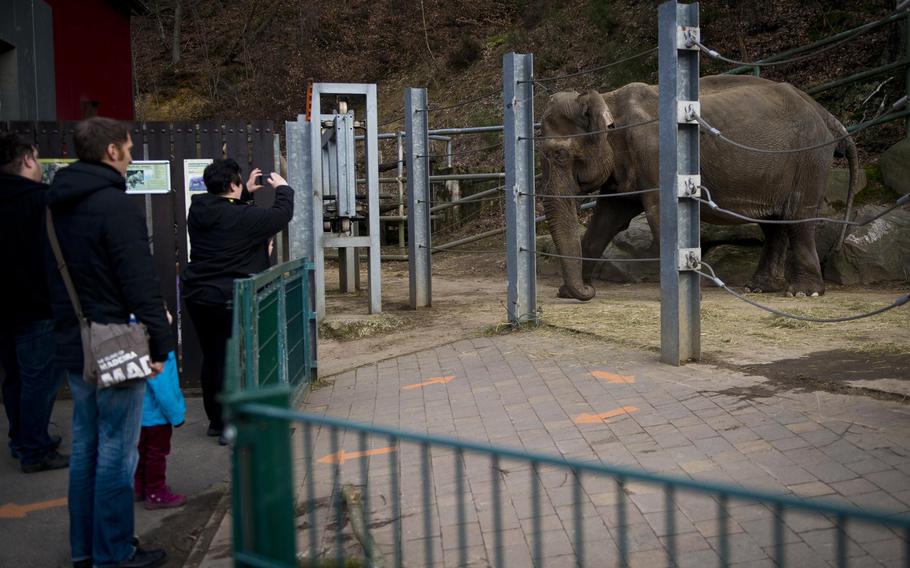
(113, 353)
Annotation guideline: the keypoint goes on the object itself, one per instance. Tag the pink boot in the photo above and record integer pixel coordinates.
(164, 499)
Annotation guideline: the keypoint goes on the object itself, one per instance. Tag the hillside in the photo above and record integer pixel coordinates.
(251, 59)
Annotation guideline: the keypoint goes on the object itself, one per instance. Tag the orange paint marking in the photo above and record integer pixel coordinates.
(343, 456)
(603, 416)
(613, 378)
(14, 511)
(433, 381)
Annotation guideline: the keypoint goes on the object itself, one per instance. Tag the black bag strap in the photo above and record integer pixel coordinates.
(61, 266)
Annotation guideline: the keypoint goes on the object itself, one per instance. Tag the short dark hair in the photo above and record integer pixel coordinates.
(93, 135)
(13, 149)
(220, 174)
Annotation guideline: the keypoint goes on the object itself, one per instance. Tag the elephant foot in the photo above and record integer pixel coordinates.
(763, 285)
(564, 292)
(807, 288)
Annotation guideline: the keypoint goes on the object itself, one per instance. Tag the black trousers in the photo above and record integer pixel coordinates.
(213, 326)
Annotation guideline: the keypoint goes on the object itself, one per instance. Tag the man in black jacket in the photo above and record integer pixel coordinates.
(229, 239)
(26, 329)
(104, 242)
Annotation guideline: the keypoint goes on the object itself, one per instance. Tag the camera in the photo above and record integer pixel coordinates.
(261, 179)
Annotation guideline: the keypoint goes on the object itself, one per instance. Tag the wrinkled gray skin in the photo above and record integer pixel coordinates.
(750, 110)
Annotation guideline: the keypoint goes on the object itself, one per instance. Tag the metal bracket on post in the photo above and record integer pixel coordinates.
(420, 253)
(680, 247)
(518, 136)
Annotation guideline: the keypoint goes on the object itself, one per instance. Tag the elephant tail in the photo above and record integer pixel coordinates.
(853, 162)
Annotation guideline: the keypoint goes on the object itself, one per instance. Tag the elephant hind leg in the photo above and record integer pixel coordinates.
(611, 217)
(803, 270)
(770, 274)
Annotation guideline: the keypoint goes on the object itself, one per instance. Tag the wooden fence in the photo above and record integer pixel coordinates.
(252, 144)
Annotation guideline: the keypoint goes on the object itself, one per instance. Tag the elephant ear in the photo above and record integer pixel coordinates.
(591, 112)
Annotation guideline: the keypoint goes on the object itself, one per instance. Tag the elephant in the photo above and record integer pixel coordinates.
(751, 110)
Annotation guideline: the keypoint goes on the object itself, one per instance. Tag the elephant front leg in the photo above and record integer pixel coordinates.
(804, 274)
(609, 219)
(769, 276)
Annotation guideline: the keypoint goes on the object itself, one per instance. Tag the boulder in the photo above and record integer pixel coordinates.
(877, 252)
(894, 164)
(839, 184)
(734, 264)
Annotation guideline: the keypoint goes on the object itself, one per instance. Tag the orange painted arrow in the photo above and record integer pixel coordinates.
(603, 416)
(14, 511)
(613, 378)
(433, 381)
(343, 456)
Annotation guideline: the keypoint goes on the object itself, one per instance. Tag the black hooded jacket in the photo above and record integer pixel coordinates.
(105, 244)
(23, 287)
(229, 239)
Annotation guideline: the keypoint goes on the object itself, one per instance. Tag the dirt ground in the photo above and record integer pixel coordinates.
(870, 356)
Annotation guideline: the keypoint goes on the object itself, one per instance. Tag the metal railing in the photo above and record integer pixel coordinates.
(377, 496)
(273, 333)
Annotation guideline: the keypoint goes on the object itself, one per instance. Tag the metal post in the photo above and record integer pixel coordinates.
(680, 252)
(372, 169)
(420, 262)
(518, 135)
(400, 179)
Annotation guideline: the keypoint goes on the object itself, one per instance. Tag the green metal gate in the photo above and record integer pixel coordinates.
(376, 496)
(273, 338)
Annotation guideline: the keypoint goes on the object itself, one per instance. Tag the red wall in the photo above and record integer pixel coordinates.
(92, 58)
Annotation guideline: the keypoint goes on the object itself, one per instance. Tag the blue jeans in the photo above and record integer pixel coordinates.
(30, 388)
(106, 425)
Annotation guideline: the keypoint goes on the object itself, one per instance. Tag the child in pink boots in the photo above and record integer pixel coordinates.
(164, 407)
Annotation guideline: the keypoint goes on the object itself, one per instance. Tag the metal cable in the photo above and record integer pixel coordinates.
(539, 253)
(904, 200)
(718, 134)
(462, 153)
(715, 55)
(388, 122)
(592, 133)
(589, 196)
(463, 103)
(464, 251)
(900, 301)
(462, 201)
(593, 69)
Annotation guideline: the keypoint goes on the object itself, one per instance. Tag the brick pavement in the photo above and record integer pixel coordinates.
(528, 390)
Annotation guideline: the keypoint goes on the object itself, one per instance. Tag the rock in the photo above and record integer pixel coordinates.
(747, 233)
(877, 252)
(734, 264)
(839, 184)
(636, 240)
(894, 164)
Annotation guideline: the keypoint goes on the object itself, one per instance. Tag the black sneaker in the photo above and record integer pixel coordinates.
(53, 460)
(55, 443)
(212, 431)
(145, 559)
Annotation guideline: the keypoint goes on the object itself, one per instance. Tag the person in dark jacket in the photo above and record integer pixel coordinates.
(229, 239)
(26, 329)
(105, 244)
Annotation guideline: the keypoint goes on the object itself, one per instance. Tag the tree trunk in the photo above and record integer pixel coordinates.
(175, 41)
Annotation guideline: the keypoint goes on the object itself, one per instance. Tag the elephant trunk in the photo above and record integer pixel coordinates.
(562, 220)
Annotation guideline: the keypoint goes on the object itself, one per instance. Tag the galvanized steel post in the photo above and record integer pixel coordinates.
(518, 137)
(680, 252)
(420, 261)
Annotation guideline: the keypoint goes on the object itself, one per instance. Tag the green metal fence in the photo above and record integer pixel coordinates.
(377, 496)
(273, 338)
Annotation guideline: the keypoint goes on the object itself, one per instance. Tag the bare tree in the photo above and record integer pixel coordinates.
(175, 41)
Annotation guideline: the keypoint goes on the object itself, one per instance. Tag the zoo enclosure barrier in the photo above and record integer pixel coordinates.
(273, 330)
(386, 497)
